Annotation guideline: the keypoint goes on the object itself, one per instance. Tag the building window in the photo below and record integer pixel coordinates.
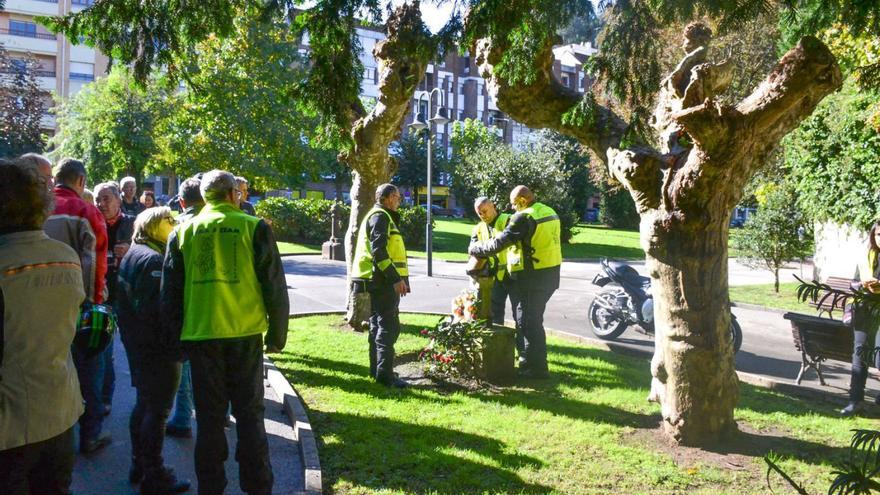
(22, 28)
(370, 74)
(82, 72)
(565, 81)
(467, 65)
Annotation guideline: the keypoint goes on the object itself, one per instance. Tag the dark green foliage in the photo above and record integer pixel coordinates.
(770, 238)
(617, 209)
(307, 220)
(21, 106)
(299, 220)
(411, 153)
(834, 159)
(412, 226)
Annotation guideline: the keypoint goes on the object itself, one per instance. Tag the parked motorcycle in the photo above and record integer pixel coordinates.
(627, 301)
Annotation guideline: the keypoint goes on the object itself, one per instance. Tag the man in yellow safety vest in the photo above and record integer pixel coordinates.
(534, 257)
(380, 268)
(491, 224)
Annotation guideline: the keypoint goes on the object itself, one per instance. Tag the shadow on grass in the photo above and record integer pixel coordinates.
(384, 454)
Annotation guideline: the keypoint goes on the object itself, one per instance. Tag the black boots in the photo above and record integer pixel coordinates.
(157, 482)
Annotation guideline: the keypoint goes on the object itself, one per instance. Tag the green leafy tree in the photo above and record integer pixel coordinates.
(770, 238)
(411, 154)
(21, 106)
(494, 169)
(111, 125)
(834, 159)
(239, 109)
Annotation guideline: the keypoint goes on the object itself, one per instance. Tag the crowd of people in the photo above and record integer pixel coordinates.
(193, 296)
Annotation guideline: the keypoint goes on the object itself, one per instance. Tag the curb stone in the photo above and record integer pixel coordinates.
(302, 428)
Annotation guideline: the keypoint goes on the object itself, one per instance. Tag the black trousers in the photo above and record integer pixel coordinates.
(228, 371)
(41, 468)
(384, 330)
(859, 366)
(156, 383)
(531, 300)
(501, 292)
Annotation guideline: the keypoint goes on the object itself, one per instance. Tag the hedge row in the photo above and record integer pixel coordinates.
(307, 221)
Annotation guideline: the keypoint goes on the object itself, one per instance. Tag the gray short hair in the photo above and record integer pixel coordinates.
(216, 185)
(88, 196)
(147, 221)
(239, 180)
(126, 180)
(36, 159)
(27, 202)
(385, 190)
(481, 201)
(111, 185)
(69, 170)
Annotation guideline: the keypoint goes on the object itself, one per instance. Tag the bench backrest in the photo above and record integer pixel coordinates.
(821, 337)
(828, 304)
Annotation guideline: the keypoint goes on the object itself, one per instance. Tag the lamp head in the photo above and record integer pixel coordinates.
(418, 124)
(441, 117)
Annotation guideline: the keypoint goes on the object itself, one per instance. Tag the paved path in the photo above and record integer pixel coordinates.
(107, 471)
(767, 350)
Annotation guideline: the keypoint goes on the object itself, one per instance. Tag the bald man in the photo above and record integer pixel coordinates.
(534, 257)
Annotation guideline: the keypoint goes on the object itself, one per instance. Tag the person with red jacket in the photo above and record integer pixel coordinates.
(81, 226)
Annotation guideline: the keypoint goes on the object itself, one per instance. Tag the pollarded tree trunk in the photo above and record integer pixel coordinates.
(402, 58)
(684, 190)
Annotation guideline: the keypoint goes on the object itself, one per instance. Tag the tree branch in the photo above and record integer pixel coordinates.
(640, 170)
(804, 75)
(402, 61)
(545, 102)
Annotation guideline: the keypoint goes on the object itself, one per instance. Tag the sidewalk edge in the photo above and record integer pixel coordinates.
(302, 427)
(758, 307)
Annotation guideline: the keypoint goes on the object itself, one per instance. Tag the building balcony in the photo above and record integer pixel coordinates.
(81, 4)
(82, 53)
(24, 41)
(32, 7)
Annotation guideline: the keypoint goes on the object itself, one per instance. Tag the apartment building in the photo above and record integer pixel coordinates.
(63, 67)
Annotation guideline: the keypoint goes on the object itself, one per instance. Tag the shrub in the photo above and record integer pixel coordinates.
(300, 220)
(412, 226)
(617, 210)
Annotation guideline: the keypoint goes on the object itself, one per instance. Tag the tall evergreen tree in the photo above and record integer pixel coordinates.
(21, 105)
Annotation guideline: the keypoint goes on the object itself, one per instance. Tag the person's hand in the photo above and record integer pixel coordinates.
(120, 249)
(271, 349)
(400, 288)
(872, 285)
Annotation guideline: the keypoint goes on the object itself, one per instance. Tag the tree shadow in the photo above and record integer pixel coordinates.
(386, 454)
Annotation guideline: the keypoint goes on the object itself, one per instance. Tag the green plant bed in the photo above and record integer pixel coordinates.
(764, 295)
(588, 429)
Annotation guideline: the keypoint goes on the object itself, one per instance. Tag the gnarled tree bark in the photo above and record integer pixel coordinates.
(684, 191)
(402, 59)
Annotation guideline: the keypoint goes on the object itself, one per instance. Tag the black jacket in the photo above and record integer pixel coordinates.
(120, 233)
(137, 306)
(520, 229)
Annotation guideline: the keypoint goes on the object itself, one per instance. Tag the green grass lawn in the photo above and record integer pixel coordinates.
(293, 248)
(451, 238)
(764, 295)
(586, 430)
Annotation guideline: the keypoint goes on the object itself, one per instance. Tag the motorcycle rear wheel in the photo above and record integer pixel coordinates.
(603, 323)
(736, 334)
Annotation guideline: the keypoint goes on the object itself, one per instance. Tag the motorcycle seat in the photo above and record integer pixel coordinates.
(629, 275)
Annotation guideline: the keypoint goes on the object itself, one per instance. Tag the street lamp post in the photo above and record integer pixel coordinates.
(419, 124)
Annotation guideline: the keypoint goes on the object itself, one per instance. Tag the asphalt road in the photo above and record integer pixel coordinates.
(767, 350)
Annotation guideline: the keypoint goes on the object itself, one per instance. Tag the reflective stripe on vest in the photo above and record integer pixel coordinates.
(363, 256)
(544, 246)
(498, 226)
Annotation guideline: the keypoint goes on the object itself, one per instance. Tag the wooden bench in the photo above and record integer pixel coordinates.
(820, 339)
(828, 305)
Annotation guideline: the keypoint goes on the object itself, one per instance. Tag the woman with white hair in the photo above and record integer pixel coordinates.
(154, 363)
